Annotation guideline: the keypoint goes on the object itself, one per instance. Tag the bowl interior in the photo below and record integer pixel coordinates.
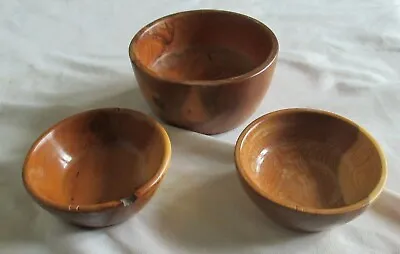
(95, 157)
(310, 160)
(203, 45)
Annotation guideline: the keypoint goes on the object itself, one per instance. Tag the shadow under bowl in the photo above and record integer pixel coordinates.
(204, 70)
(309, 170)
(97, 168)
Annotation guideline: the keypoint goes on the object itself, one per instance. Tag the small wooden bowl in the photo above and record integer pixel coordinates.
(97, 168)
(204, 70)
(309, 169)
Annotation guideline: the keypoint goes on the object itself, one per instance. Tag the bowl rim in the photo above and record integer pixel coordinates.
(372, 196)
(271, 58)
(142, 190)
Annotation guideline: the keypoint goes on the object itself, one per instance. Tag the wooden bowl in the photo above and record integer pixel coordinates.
(99, 167)
(204, 70)
(308, 169)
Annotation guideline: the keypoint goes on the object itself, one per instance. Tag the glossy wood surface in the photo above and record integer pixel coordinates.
(98, 167)
(309, 169)
(205, 70)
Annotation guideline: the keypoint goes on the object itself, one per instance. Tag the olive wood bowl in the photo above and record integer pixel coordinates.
(309, 170)
(97, 168)
(204, 70)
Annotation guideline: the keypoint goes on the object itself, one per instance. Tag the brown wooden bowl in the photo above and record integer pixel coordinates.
(99, 167)
(309, 169)
(204, 70)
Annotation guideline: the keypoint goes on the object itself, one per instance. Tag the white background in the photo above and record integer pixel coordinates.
(61, 57)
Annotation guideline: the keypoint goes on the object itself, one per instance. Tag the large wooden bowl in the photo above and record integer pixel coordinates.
(99, 167)
(204, 70)
(308, 169)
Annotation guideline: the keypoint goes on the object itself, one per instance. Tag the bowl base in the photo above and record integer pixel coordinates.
(302, 173)
(202, 63)
(103, 174)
